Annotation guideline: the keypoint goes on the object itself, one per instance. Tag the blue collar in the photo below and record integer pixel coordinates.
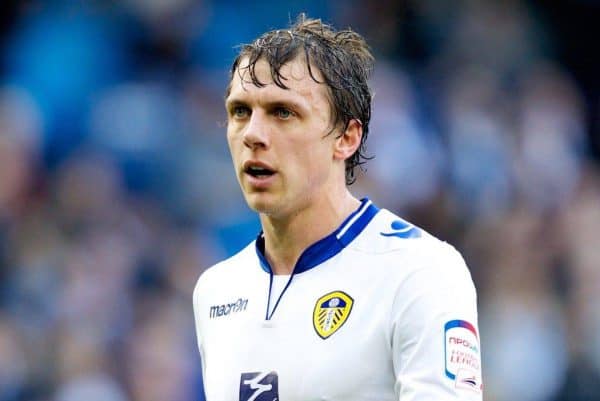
(329, 246)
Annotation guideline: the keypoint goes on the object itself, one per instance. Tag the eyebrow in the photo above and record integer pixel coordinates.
(234, 102)
(294, 105)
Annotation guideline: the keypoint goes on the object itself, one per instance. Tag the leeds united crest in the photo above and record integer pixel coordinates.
(331, 312)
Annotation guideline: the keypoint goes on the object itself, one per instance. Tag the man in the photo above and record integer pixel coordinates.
(335, 299)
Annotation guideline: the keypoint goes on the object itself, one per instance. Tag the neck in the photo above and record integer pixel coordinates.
(287, 237)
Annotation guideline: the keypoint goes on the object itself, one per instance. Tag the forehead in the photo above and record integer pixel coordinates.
(295, 75)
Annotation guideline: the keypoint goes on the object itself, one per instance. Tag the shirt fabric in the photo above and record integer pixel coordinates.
(377, 310)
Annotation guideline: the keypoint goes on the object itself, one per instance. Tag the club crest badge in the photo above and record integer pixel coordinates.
(331, 312)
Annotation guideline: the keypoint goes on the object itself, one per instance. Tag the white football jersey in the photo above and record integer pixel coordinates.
(378, 310)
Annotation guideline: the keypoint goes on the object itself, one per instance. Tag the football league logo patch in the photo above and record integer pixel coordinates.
(462, 355)
(331, 312)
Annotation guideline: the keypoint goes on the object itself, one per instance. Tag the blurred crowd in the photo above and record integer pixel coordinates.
(116, 187)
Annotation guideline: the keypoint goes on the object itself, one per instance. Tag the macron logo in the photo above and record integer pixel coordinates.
(259, 386)
(402, 229)
(225, 309)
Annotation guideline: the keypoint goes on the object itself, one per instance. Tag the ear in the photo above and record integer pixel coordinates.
(348, 142)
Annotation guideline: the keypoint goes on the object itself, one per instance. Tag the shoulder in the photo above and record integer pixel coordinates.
(403, 246)
(388, 232)
(224, 271)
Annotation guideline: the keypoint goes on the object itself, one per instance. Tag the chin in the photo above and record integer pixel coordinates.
(264, 204)
(260, 202)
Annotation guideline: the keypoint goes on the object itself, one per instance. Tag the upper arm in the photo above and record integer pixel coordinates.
(435, 339)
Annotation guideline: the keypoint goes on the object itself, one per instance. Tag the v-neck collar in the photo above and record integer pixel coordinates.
(328, 246)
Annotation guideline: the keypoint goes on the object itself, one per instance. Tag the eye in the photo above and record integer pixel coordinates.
(283, 113)
(240, 112)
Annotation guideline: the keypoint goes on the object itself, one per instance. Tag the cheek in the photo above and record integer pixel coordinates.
(230, 137)
(313, 160)
(234, 145)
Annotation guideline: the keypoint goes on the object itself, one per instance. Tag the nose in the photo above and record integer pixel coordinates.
(256, 133)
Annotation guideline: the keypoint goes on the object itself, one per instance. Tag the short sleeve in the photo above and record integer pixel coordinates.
(434, 331)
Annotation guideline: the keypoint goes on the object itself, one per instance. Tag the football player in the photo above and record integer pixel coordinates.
(336, 299)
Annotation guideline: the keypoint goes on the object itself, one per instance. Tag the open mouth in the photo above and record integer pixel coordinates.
(258, 172)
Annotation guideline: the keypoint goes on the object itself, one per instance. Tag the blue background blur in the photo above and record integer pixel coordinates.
(116, 188)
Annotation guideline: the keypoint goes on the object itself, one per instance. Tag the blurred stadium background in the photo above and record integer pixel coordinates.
(116, 188)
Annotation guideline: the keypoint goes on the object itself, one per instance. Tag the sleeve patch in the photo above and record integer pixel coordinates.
(462, 359)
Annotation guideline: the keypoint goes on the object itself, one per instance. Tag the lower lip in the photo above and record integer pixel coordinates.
(260, 182)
